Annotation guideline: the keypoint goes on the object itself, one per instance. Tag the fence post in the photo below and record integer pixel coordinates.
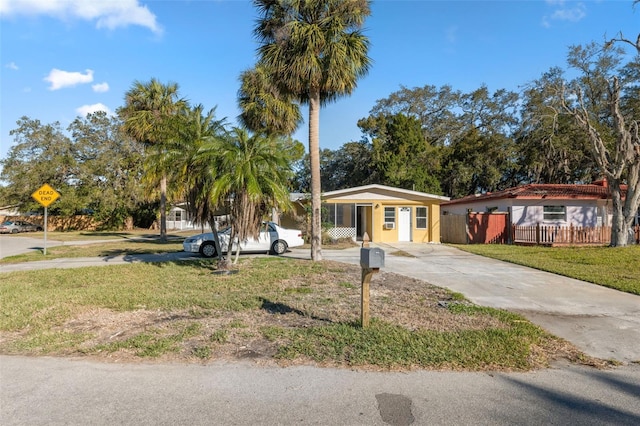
(538, 233)
(509, 227)
(571, 234)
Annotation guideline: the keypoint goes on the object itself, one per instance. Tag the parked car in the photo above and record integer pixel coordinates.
(272, 238)
(15, 226)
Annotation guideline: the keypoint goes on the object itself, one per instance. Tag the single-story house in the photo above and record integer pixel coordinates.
(178, 218)
(550, 204)
(540, 213)
(385, 213)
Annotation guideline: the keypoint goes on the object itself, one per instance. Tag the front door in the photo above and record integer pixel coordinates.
(404, 224)
(363, 222)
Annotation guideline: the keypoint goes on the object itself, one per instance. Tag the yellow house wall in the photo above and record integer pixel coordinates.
(380, 235)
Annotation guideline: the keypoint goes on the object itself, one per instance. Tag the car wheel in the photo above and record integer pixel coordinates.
(279, 247)
(14, 231)
(39, 228)
(208, 249)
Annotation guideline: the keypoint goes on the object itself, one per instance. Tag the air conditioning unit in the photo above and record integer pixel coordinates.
(389, 225)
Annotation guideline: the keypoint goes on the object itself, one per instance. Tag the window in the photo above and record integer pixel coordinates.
(328, 212)
(339, 215)
(390, 214)
(555, 213)
(421, 217)
(345, 215)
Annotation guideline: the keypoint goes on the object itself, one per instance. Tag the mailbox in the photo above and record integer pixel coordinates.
(371, 258)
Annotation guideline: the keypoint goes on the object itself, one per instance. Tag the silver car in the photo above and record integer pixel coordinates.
(15, 226)
(272, 238)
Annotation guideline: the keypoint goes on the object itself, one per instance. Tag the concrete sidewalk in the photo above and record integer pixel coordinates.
(80, 262)
(602, 322)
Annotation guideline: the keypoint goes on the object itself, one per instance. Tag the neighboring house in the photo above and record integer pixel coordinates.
(385, 213)
(294, 218)
(548, 204)
(537, 213)
(178, 218)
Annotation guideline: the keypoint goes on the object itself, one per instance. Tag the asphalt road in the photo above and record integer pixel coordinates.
(12, 245)
(51, 391)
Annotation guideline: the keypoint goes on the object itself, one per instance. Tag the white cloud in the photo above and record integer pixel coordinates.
(60, 79)
(12, 65)
(572, 12)
(100, 87)
(452, 34)
(90, 109)
(110, 14)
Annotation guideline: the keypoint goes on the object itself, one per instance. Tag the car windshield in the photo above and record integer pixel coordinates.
(7, 223)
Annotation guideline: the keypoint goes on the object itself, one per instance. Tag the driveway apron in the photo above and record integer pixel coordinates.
(602, 322)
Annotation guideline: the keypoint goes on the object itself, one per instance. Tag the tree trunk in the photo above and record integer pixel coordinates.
(314, 156)
(163, 208)
(619, 237)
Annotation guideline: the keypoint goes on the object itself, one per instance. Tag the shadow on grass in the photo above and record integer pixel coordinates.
(278, 308)
(134, 237)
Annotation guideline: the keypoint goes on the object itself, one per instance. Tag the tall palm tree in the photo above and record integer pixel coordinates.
(149, 117)
(265, 108)
(316, 51)
(253, 175)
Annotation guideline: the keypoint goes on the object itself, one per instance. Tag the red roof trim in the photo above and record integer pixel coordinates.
(543, 191)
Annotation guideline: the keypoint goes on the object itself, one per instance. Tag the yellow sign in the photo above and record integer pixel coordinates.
(45, 195)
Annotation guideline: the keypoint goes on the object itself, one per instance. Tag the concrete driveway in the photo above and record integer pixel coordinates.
(602, 322)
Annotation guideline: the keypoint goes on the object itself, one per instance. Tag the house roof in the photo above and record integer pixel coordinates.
(382, 189)
(594, 191)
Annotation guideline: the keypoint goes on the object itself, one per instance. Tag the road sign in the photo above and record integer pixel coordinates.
(45, 195)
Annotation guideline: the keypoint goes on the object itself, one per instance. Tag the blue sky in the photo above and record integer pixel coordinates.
(64, 58)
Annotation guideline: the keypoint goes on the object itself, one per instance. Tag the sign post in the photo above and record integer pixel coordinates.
(45, 195)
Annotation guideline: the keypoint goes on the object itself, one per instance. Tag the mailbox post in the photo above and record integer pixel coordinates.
(371, 260)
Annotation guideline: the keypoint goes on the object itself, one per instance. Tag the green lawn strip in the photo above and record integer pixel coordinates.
(36, 305)
(103, 249)
(614, 267)
(390, 346)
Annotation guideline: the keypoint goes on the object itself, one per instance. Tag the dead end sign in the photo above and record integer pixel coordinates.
(45, 195)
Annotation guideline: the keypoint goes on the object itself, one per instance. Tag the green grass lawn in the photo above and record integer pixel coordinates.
(284, 309)
(615, 267)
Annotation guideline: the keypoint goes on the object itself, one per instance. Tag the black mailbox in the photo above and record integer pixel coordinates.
(371, 258)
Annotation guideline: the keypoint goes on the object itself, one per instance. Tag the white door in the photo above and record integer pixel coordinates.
(404, 224)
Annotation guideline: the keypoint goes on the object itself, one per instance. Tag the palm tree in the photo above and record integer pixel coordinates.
(253, 175)
(265, 108)
(316, 52)
(191, 162)
(149, 117)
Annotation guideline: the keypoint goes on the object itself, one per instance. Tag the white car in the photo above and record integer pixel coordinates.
(273, 238)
